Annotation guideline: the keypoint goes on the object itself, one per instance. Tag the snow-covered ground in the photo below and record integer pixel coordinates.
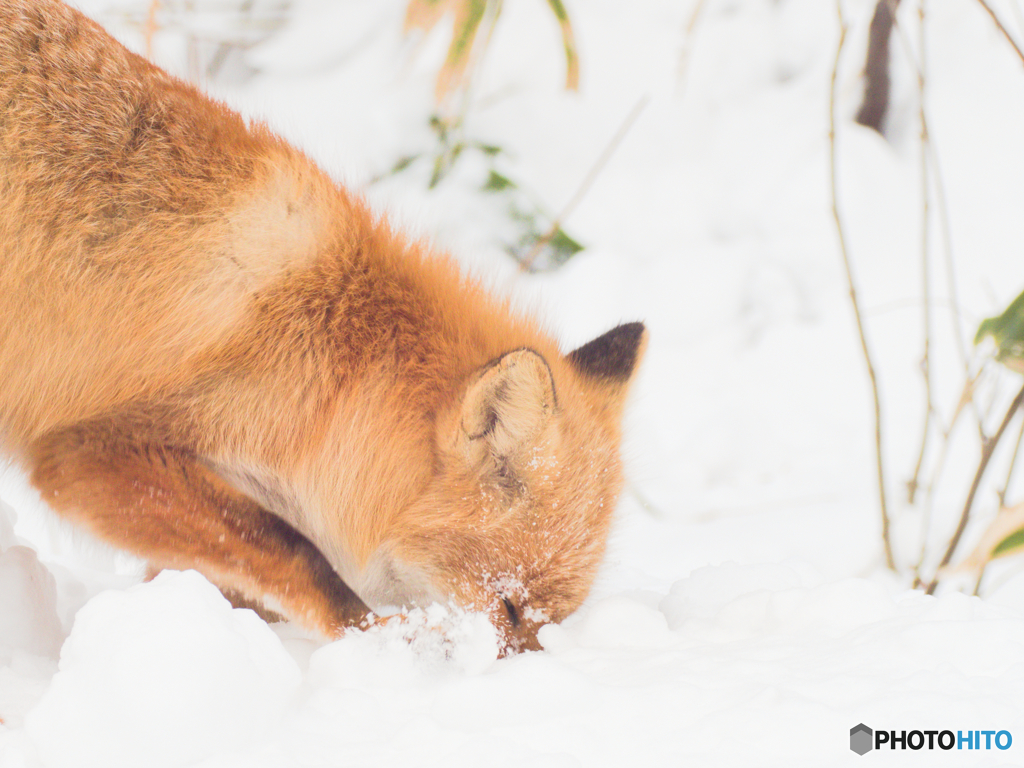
(744, 615)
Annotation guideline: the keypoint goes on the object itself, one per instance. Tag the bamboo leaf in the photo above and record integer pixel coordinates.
(468, 15)
(563, 247)
(1010, 544)
(1007, 331)
(440, 169)
(496, 182)
(443, 163)
(403, 163)
(424, 14)
(572, 62)
(1004, 536)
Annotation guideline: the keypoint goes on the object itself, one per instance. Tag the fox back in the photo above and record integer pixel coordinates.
(215, 357)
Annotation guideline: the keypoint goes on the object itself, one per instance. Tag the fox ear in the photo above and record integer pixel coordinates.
(509, 403)
(612, 357)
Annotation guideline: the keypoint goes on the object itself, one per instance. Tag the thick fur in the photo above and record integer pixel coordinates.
(213, 356)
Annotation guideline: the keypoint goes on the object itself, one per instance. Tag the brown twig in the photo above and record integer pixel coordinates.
(987, 449)
(942, 215)
(588, 180)
(1013, 463)
(942, 209)
(940, 464)
(977, 583)
(929, 408)
(1017, 14)
(928, 507)
(683, 67)
(884, 507)
(1004, 30)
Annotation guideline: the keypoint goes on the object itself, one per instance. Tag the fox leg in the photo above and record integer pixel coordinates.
(162, 504)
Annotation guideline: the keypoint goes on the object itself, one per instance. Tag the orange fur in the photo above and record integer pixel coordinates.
(215, 357)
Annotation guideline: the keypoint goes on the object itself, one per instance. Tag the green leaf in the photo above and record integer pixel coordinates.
(498, 183)
(467, 21)
(572, 62)
(1007, 330)
(440, 169)
(403, 163)
(1003, 536)
(563, 247)
(444, 163)
(1010, 544)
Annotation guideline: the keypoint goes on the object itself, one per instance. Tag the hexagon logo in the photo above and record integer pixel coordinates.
(860, 739)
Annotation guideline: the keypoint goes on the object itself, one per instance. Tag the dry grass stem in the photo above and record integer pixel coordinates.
(587, 182)
(929, 408)
(1017, 15)
(468, 45)
(977, 582)
(1003, 29)
(683, 67)
(844, 252)
(572, 59)
(937, 183)
(987, 450)
(1005, 490)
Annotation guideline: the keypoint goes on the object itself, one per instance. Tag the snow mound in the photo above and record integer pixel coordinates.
(28, 598)
(28, 605)
(7, 519)
(163, 674)
(438, 640)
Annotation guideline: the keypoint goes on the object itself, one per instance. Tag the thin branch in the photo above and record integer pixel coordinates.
(929, 408)
(585, 185)
(1004, 30)
(986, 454)
(930, 160)
(1015, 8)
(1013, 464)
(683, 67)
(840, 231)
(966, 396)
(929, 503)
(947, 242)
(942, 209)
(914, 483)
(977, 583)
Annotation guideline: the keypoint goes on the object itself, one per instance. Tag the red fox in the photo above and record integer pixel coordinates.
(214, 357)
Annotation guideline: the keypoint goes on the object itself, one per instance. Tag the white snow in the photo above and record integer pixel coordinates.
(182, 675)
(744, 615)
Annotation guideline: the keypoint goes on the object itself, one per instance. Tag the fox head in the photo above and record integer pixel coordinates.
(515, 519)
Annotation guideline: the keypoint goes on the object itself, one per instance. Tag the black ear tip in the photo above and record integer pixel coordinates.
(611, 356)
(631, 331)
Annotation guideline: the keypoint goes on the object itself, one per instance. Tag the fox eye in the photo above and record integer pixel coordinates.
(513, 614)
